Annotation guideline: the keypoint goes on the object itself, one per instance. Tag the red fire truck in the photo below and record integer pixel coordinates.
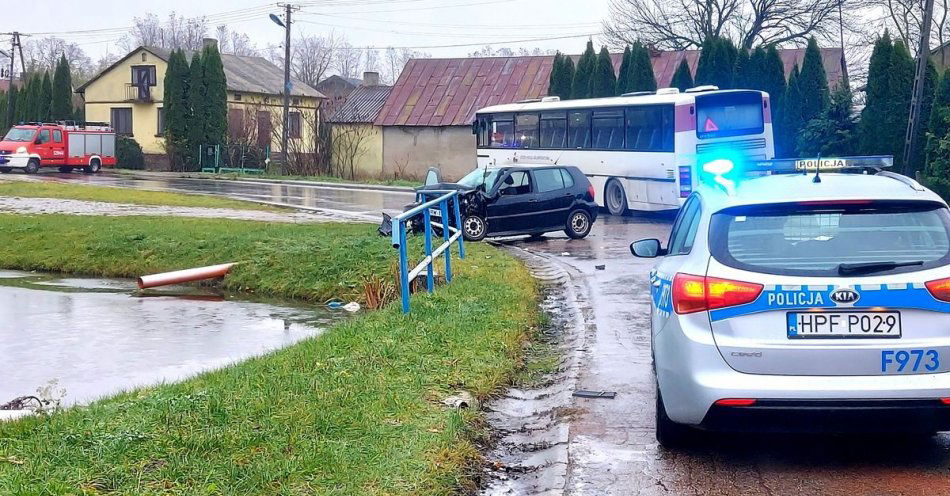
(67, 145)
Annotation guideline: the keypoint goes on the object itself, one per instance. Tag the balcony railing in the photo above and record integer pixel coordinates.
(135, 93)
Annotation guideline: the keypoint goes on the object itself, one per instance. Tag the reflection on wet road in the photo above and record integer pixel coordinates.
(367, 203)
(94, 338)
(611, 448)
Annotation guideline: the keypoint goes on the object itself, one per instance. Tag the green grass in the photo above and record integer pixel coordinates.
(355, 411)
(309, 261)
(26, 189)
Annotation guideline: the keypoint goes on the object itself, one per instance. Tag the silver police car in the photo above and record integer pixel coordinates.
(790, 303)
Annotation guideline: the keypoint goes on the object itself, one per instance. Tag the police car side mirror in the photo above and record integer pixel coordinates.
(647, 248)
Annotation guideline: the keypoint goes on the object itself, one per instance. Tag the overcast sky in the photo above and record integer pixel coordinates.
(97, 24)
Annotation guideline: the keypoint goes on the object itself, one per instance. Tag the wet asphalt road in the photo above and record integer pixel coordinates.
(611, 448)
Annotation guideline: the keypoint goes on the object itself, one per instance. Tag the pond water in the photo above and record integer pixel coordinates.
(95, 337)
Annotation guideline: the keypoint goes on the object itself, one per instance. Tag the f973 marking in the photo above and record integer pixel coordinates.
(909, 360)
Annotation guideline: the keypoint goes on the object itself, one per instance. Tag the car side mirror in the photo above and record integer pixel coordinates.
(647, 248)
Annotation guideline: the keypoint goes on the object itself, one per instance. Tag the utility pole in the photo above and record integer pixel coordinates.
(923, 55)
(14, 47)
(288, 8)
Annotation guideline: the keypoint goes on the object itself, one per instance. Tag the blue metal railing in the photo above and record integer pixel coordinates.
(444, 200)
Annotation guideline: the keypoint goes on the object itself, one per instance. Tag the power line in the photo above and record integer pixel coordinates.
(462, 45)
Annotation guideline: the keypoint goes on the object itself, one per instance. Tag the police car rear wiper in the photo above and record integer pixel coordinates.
(868, 267)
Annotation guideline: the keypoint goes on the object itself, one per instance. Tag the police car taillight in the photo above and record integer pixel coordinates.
(697, 293)
(940, 289)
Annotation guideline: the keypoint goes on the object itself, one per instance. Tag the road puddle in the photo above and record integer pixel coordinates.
(95, 337)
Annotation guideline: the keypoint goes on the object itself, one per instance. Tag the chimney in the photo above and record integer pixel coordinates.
(370, 78)
(209, 42)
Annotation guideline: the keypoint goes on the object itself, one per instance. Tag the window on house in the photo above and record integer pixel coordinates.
(294, 125)
(144, 56)
(237, 97)
(121, 121)
(160, 126)
(144, 73)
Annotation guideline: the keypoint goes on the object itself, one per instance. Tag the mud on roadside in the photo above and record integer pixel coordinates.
(529, 424)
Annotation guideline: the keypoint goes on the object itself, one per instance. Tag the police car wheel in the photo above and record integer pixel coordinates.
(669, 434)
(33, 166)
(474, 228)
(615, 198)
(578, 224)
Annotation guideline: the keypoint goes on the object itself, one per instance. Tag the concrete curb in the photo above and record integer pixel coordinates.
(293, 182)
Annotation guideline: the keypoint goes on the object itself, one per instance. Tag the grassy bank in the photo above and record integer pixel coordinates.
(310, 262)
(355, 411)
(29, 189)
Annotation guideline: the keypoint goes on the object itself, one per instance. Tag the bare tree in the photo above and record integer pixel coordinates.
(371, 61)
(311, 58)
(347, 60)
(395, 60)
(904, 18)
(43, 54)
(175, 32)
(234, 42)
(349, 146)
(682, 24)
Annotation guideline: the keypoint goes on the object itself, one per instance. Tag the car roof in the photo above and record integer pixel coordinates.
(790, 188)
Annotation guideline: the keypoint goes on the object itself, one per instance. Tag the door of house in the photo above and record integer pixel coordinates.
(263, 128)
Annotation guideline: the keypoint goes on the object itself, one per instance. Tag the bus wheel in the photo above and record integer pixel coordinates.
(93, 166)
(33, 166)
(615, 198)
(65, 170)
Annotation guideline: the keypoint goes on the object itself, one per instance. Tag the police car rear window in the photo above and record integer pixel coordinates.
(814, 239)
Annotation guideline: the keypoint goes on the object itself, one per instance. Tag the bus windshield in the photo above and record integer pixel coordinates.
(734, 113)
(19, 134)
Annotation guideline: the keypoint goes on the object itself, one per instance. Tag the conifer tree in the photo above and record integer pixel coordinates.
(45, 99)
(565, 77)
(197, 105)
(603, 82)
(177, 109)
(937, 171)
(4, 125)
(216, 94)
(21, 107)
(742, 70)
(62, 99)
(580, 87)
(641, 77)
(834, 132)
(926, 110)
(877, 93)
(791, 116)
(555, 75)
(682, 78)
(900, 85)
(812, 84)
(623, 75)
(716, 60)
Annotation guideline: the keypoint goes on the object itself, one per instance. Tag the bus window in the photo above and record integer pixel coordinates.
(483, 122)
(526, 130)
(608, 129)
(502, 132)
(734, 113)
(650, 128)
(578, 131)
(553, 129)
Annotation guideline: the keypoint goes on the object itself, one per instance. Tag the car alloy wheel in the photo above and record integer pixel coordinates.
(474, 228)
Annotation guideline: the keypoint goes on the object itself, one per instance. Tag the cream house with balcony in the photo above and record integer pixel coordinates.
(128, 94)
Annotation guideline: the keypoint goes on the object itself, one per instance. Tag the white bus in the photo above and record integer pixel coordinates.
(639, 150)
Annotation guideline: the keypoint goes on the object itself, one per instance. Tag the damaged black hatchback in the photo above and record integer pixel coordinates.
(505, 201)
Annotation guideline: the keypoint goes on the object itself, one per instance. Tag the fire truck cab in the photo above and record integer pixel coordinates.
(66, 145)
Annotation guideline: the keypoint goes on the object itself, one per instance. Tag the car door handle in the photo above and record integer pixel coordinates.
(533, 200)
